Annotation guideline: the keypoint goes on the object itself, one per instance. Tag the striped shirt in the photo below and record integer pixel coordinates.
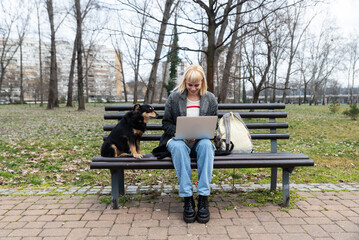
(193, 108)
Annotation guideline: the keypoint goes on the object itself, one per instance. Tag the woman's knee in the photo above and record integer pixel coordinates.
(205, 144)
(178, 146)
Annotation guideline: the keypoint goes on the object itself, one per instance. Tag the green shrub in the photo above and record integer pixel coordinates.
(62, 100)
(352, 112)
(334, 107)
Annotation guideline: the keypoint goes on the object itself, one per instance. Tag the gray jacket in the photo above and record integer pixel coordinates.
(176, 106)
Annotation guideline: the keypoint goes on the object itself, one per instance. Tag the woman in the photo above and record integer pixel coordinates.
(190, 98)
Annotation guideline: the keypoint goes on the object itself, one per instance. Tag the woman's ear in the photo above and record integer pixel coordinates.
(136, 107)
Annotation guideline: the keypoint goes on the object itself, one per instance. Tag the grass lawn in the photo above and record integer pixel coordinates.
(42, 147)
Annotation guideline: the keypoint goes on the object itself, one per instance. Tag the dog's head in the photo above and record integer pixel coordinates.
(146, 111)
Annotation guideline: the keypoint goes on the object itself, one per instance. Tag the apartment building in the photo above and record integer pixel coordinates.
(102, 72)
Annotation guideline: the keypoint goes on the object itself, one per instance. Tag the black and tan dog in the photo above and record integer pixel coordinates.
(125, 136)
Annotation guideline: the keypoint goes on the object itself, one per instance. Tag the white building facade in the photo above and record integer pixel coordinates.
(102, 77)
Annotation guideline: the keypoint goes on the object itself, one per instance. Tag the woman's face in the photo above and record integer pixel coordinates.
(193, 88)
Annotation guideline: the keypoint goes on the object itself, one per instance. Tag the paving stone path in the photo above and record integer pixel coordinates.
(327, 211)
(65, 190)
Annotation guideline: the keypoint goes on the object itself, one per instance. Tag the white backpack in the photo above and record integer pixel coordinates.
(231, 128)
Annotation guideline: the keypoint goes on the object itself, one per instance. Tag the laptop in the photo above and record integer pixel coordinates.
(196, 127)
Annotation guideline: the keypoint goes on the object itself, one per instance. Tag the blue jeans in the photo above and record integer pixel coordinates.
(182, 162)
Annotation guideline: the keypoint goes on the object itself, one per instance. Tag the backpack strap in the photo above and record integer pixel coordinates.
(227, 125)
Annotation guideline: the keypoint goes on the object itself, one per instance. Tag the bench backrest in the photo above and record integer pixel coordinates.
(256, 116)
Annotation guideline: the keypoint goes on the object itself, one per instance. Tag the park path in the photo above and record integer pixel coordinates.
(326, 214)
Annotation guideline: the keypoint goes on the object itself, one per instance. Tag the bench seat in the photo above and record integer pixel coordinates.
(252, 160)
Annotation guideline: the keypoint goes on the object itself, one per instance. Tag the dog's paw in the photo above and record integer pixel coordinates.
(138, 156)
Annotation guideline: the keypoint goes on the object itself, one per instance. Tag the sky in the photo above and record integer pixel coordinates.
(346, 14)
(346, 18)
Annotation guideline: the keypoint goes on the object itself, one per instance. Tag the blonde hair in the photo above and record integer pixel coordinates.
(193, 74)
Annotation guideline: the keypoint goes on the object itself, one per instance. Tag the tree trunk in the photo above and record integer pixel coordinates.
(286, 84)
(244, 92)
(305, 93)
(2, 76)
(150, 93)
(219, 41)
(352, 88)
(228, 65)
(123, 75)
(324, 92)
(40, 58)
(56, 104)
(87, 66)
(259, 88)
(274, 90)
(71, 75)
(239, 70)
(21, 75)
(53, 66)
(256, 93)
(211, 51)
(164, 75)
(137, 66)
(80, 85)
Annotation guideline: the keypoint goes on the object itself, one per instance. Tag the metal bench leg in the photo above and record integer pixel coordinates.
(285, 186)
(273, 179)
(273, 146)
(117, 186)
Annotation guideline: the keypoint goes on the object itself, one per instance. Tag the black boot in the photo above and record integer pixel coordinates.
(189, 213)
(203, 209)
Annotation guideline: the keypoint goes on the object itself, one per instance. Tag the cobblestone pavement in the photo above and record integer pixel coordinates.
(327, 211)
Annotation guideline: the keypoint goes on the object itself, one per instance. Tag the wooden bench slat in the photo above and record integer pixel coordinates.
(109, 127)
(225, 106)
(234, 156)
(270, 135)
(114, 116)
(167, 164)
(259, 136)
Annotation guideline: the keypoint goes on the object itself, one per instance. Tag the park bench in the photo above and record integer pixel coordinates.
(257, 117)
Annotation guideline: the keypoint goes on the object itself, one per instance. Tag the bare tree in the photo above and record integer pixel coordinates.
(22, 29)
(119, 56)
(322, 60)
(216, 15)
(89, 54)
(259, 57)
(9, 17)
(80, 90)
(150, 93)
(163, 83)
(294, 16)
(71, 75)
(91, 4)
(53, 88)
(134, 41)
(37, 3)
(228, 65)
(238, 73)
(353, 54)
(80, 16)
(53, 100)
(138, 57)
(280, 36)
